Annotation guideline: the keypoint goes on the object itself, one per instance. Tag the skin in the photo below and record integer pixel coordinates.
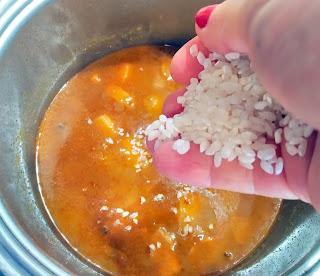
(282, 41)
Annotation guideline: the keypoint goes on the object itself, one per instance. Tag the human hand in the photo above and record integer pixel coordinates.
(274, 40)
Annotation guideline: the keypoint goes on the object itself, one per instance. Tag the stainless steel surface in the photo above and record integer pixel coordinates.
(38, 53)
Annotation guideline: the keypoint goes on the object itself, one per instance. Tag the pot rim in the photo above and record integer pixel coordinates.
(18, 254)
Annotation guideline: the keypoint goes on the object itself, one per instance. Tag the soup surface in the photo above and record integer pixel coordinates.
(106, 198)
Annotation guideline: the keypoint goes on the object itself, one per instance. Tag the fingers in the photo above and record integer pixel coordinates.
(272, 185)
(233, 177)
(197, 169)
(183, 65)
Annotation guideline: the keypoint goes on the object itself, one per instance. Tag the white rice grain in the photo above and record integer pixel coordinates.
(291, 149)
(279, 166)
(217, 160)
(267, 167)
(277, 136)
(246, 165)
(260, 105)
(266, 154)
(201, 58)
(194, 50)
(163, 118)
(232, 56)
(302, 148)
(181, 146)
(307, 131)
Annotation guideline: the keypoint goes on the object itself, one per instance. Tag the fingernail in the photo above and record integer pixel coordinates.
(203, 15)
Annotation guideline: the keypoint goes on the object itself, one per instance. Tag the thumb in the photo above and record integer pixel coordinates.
(224, 28)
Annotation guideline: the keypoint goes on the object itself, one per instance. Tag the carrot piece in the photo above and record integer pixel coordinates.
(105, 124)
(165, 68)
(124, 71)
(153, 104)
(119, 95)
(95, 78)
(163, 255)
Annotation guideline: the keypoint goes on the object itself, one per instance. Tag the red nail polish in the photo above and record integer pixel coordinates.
(203, 15)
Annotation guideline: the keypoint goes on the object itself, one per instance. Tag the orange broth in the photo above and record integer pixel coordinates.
(106, 198)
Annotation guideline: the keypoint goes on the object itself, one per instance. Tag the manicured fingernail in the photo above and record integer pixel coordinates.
(203, 15)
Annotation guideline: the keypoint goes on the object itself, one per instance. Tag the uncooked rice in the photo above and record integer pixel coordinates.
(231, 116)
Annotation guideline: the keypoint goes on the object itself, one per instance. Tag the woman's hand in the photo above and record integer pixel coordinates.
(282, 41)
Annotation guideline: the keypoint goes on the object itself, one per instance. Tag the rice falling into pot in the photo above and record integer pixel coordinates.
(231, 116)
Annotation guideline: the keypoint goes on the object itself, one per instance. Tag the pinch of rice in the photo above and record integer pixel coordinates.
(229, 114)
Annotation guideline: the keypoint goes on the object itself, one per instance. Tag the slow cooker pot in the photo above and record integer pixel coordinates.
(42, 44)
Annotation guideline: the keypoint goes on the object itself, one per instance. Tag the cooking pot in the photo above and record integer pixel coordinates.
(44, 43)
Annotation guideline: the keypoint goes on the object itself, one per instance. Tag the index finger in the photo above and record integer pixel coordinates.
(183, 65)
